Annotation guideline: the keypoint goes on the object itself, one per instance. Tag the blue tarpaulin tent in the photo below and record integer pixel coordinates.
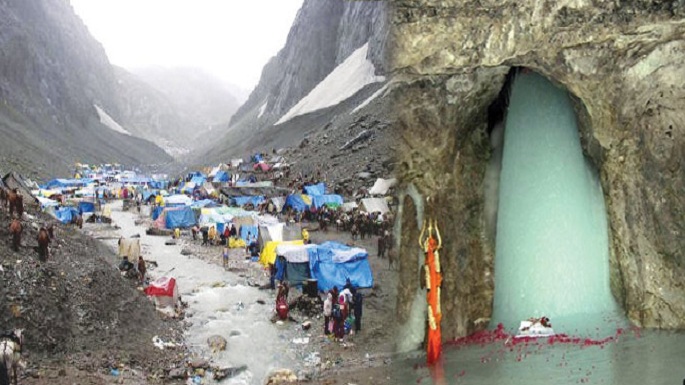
(241, 201)
(181, 217)
(86, 207)
(66, 183)
(320, 200)
(159, 184)
(66, 214)
(203, 203)
(198, 180)
(296, 201)
(156, 212)
(244, 229)
(332, 263)
(221, 176)
(315, 189)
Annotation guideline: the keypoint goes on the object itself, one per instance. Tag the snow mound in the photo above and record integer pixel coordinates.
(345, 80)
(109, 122)
(262, 109)
(370, 98)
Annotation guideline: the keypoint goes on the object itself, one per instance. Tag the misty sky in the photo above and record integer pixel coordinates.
(232, 39)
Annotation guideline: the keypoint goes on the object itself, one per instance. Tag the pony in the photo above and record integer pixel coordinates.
(10, 354)
(51, 230)
(78, 221)
(4, 195)
(392, 259)
(15, 202)
(11, 199)
(15, 229)
(43, 241)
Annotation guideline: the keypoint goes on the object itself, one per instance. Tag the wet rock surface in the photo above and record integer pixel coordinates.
(621, 61)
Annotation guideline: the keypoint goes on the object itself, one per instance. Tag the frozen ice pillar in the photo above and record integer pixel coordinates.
(552, 251)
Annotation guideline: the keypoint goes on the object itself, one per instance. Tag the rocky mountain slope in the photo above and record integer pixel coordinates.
(343, 41)
(75, 308)
(52, 75)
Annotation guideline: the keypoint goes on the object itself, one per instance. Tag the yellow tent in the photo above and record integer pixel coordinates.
(268, 255)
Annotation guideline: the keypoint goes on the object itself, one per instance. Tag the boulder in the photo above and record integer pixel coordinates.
(281, 376)
(217, 343)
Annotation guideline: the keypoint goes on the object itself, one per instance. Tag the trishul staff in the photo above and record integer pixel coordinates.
(430, 246)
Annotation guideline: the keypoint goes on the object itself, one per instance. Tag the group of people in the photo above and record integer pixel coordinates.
(129, 269)
(342, 311)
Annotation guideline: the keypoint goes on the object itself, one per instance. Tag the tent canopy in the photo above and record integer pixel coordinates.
(382, 186)
(332, 263)
(299, 202)
(66, 214)
(178, 200)
(161, 287)
(371, 205)
(221, 176)
(321, 200)
(268, 255)
(254, 200)
(315, 189)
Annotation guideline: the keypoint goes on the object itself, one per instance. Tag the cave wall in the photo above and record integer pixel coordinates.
(621, 60)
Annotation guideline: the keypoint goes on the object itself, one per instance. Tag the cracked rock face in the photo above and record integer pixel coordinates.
(621, 60)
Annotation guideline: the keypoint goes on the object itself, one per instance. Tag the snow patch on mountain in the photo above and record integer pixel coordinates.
(350, 76)
(109, 122)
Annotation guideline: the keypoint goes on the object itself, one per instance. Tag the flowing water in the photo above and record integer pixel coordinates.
(221, 303)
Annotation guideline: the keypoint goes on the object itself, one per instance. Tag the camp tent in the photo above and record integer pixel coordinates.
(221, 176)
(66, 214)
(261, 166)
(349, 206)
(315, 189)
(298, 202)
(241, 201)
(332, 263)
(251, 229)
(178, 200)
(278, 202)
(371, 205)
(268, 255)
(164, 292)
(198, 180)
(173, 217)
(330, 200)
(45, 202)
(86, 207)
(296, 268)
(382, 186)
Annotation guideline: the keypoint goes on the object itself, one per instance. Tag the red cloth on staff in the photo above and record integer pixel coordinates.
(434, 345)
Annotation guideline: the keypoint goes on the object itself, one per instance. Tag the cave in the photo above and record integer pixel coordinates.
(460, 170)
(545, 212)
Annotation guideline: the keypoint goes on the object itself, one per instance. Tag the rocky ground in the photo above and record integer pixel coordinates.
(81, 319)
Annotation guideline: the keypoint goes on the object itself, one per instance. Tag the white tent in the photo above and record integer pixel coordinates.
(382, 186)
(178, 200)
(371, 205)
(349, 206)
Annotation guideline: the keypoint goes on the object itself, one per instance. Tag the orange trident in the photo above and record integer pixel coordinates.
(430, 246)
